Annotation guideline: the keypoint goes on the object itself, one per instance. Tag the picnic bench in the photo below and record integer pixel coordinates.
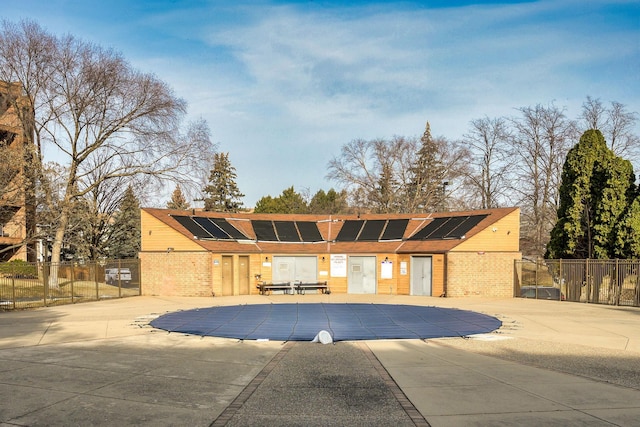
(301, 287)
(266, 288)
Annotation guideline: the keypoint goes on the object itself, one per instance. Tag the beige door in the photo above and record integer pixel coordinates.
(227, 275)
(243, 273)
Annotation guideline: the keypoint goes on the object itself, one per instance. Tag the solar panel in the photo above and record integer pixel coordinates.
(287, 231)
(350, 230)
(395, 229)
(463, 228)
(447, 227)
(211, 228)
(372, 230)
(197, 231)
(264, 230)
(233, 232)
(428, 229)
(309, 231)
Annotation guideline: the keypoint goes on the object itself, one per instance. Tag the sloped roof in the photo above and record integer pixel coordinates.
(329, 227)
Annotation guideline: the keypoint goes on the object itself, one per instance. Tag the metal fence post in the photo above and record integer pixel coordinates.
(119, 279)
(73, 278)
(94, 267)
(45, 281)
(586, 278)
(617, 283)
(13, 290)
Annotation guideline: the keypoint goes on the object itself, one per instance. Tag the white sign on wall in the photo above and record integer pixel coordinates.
(338, 265)
(386, 270)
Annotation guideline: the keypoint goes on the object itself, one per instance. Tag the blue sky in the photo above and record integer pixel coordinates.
(284, 84)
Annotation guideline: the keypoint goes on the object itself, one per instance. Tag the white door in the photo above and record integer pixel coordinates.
(421, 275)
(362, 275)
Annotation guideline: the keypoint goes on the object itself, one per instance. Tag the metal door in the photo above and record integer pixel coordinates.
(421, 275)
(362, 275)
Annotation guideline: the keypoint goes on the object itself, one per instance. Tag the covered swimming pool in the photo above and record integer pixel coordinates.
(345, 322)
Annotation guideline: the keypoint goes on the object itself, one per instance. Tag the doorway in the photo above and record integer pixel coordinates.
(362, 275)
(421, 275)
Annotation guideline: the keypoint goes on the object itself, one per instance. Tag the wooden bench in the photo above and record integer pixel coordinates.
(301, 287)
(267, 288)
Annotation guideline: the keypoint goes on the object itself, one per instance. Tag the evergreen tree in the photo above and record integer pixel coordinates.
(627, 243)
(612, 192)
(224, 195)
(289, 202)
(596, 191)
(330, 202)
(124, 239)
(427, 174)
(384, 196)
(178, 200)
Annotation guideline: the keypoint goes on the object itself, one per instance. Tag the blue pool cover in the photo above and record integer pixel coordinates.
(345, 322)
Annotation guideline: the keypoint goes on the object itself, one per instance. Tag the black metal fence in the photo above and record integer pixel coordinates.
(28, 285)
(612, 281)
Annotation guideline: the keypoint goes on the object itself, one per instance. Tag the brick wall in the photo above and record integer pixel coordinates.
(487, 274)
(176, 273)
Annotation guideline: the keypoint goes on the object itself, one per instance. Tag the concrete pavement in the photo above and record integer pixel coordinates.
(100, 363)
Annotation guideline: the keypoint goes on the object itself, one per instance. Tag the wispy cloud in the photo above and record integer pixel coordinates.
(285, 84)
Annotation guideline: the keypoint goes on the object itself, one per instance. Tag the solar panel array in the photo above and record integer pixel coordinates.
(203, 228)
(372, 230)
(454, 227)
(286, 231)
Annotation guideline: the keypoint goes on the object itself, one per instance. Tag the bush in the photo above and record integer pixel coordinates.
(19, 269)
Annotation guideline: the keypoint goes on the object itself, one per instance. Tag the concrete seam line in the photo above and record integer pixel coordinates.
(402, 398)
(246, 393)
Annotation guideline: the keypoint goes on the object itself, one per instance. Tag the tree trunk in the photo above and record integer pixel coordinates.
(56, 249)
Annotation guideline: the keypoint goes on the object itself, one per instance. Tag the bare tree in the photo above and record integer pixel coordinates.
(398, 175)
(487, 141)
(95, 109)
(616, 124)
(541, 139)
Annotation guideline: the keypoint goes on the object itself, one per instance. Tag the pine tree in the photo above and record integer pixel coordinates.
(289, 202)
(597, 191)
(330, 202)
(427, 174)
(224, 195)
(178, 200)
(124, 239)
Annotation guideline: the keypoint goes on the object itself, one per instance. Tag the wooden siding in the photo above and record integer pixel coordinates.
(501, 236)
(157, 236)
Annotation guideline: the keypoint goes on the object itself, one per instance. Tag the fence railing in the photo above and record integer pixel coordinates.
(28, 285)
(612, 281)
